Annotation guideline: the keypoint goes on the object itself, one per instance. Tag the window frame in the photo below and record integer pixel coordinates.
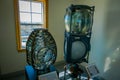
(17, 21)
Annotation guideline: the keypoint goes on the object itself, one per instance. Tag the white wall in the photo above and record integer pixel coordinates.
(105, 42)
(57, 9)
(111, 54)
(10, 59)
(105, 39)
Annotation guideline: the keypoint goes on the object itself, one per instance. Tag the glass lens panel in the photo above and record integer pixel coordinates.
(77, 19)
(67, 22)
(25, 18)
(78, 50)
(24, 6)
(81, 21)
(37, 7)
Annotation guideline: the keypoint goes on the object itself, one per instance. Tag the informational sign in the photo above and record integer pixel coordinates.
(49, 76)
(92, 70)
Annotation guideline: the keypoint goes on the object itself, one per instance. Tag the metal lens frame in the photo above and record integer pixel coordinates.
(78, 28)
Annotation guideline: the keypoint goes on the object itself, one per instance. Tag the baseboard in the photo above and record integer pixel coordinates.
(17, 73)
(13, 74)
(0, 77)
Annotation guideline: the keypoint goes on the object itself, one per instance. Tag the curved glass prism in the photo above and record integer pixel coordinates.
(78, 21)
(41, 49)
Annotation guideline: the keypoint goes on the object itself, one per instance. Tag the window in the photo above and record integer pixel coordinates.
(29, 15)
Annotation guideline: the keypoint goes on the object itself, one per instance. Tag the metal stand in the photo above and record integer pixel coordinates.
(75, 72)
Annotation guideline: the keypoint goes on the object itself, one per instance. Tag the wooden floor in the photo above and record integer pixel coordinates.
(20, 75)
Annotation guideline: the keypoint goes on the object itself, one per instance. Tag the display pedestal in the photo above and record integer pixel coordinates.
(31, 73)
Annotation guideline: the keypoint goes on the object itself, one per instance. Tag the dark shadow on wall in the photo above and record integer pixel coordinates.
(0, 73)
(112, 33)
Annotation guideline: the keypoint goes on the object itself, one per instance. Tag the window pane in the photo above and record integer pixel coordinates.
(26, 29)
(25, 17)
(36, 26)
(37, 7)
(23, 42)
(30, 16)
(37, 18)
(24, 6)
